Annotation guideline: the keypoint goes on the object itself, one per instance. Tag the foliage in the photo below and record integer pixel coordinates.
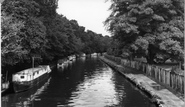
(11, 48)
(148, 27)
(23, 31)
(33, 28)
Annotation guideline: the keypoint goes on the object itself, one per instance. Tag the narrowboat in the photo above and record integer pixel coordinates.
(28, 78)
(4, 83)
(62, 62)
(83, 55)
(94, 54)
(60, 65)
(72, 57)
(4, 86)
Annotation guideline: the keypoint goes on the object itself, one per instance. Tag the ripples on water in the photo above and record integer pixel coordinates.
(83, 83)
(96, 90)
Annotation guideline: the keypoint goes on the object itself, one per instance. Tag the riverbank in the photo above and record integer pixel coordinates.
(158, 94)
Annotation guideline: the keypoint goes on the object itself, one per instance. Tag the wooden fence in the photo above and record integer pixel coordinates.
(167, 77)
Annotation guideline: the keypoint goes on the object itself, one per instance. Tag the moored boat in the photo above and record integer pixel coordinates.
(28, 78)
(94, 54)
(83, 55)
(4, 83)
(72, 57)
(4, 86)
(60, 64)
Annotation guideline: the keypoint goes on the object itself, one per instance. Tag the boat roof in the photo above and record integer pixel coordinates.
(31, 70)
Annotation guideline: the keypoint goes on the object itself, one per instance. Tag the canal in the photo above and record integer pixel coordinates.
(86, 82)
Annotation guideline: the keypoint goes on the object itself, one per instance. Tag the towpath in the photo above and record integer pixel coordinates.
(162, 96)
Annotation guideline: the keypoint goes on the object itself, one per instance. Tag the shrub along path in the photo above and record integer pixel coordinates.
(158, 93)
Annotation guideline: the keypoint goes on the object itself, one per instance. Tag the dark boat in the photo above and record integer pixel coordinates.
(4, 84)
(28, 78)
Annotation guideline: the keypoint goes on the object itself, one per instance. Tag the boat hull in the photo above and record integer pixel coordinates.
(23, 86)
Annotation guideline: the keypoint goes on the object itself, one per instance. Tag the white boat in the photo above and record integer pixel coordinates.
(26, 79)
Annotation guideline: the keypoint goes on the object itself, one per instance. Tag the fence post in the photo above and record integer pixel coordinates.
(168, 78)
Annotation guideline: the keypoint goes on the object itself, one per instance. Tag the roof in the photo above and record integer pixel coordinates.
(31, 70)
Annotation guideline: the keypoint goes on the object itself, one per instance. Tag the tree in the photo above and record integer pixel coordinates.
(47, 7)
(11, 48)
(23, 30)
(57, 37)
(33, 28)
(148, 28)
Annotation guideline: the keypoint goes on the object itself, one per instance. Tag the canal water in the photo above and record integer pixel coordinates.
(85, 82)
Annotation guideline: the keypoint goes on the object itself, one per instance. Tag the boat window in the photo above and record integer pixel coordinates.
(22, 77)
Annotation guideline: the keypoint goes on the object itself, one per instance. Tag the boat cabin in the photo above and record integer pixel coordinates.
(29, 74)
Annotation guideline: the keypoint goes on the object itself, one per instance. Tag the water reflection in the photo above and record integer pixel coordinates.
(83, 58)
(97, 88)
(24, 99)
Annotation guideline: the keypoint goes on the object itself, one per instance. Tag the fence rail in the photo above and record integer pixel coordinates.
(167, 77)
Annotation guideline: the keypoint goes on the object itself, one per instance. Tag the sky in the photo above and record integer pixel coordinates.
(89, 13)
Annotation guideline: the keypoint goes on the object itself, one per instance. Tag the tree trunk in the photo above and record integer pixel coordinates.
(151, 54)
